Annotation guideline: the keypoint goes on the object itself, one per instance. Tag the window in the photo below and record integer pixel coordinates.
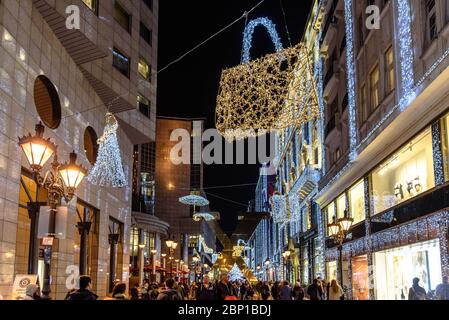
(46, 100)
(363, 106)
(341, 206)
(146, 34)
(390, 72)
(357, 202)
(122, 17)
(144, 69)
(330, 213)
(121, 62)
(149, 4)
(374, 88)
(305, 219)
(92, 5)
(431, 20)
(144, 106)
(405, 174)
(91, 145)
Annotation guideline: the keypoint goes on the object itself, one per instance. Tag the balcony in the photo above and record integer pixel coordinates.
(307, 181)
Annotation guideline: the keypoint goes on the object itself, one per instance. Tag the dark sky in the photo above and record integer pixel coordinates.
(189, 88)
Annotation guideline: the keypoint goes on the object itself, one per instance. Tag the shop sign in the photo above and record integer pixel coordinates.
(47, 241)
(21, 282)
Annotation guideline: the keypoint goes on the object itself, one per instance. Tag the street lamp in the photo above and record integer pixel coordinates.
(163, 255)
(267, 265)
(286, 255)
(338, 231)
(153, 254)
(177, 268)
(60, 181)
(171, 245)
(195, 260)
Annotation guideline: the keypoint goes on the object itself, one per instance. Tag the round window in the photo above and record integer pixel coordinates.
(46, 100)
(90, 144)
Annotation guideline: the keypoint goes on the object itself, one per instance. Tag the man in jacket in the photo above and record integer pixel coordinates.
(205, 290)
(170, 293)
(85, 290)
(314, 291)
(222, 290)
(417, 292)
(442, 290)
(285, 292)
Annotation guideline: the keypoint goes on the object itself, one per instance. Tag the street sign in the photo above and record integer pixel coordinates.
(47, 241)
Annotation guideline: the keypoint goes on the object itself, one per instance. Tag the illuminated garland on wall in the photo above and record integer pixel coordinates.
(437, 154)
(405, 53)
(249, 32)
(351, 72)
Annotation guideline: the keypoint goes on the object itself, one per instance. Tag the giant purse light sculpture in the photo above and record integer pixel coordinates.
(108, 169)
(271, 93)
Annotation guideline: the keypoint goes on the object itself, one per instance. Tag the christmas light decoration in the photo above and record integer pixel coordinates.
(196, 200)
(248, 36)
(437, 154)
(351, 73)
(280, 208)
(271, 93)
(108, 169)
(235, 274)
(405, 53)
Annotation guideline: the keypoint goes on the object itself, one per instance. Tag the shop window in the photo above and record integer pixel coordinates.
(122, 17)
(360, 282)
(395, 269)
(341, 206)
(91, 145)
(330, 213)
(46, 100)
(331, 271)
(92, 5)
(357, 202)
(144, 69)
(406, 174)
(121, 62)
(390, 71)
(146, 34)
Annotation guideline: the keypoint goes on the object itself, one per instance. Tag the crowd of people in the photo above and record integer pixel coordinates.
(224, 289)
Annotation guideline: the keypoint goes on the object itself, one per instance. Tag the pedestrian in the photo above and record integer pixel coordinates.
(32, 292)
(154, 291)
(314, 291)
(69, 293)
(85, 290)
(135, 292)
(285, 292)
(169, 293)
(298, 292)
(442, 290)
(145, 291)
(205, 291)
(275, 291)
(222, 289)
(265, 291)
(417, 292)
(335, 291)
(118, 292)
(180, 290)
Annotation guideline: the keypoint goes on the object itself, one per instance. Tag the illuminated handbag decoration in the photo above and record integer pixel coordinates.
(271, 93)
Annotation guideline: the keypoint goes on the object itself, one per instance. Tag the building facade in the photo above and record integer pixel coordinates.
(69, 79)
(178, 179)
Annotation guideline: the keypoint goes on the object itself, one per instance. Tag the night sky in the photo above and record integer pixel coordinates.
(189, 88)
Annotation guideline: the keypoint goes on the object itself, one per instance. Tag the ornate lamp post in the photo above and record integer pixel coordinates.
(171, 245)
(195, 260)
(338, 231)
(60, 181)
(177, 268)
(286, 255)
(163, 255)
(267, 266)
(153, 254)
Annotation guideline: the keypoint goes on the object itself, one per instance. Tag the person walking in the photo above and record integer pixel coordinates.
(135, 292)
(145, 291)
(154, 291)
(169, 293)
(335, 291)
(119, 292)
(275, 291)
(442, 290)
(417, 292)
(32, 292)
(85, 290)
(286, 291)
(205, 291)
(314, 291)
(298, 292)
(265, 291)
(223, 290)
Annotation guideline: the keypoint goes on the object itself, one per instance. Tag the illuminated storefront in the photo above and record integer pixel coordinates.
(395, 269)
(360, 282)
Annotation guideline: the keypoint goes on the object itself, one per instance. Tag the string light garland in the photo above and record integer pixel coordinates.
(351, 73)
(405, 53)
(249, 32)
(271, 93)
(108, 169)
(437, 154)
